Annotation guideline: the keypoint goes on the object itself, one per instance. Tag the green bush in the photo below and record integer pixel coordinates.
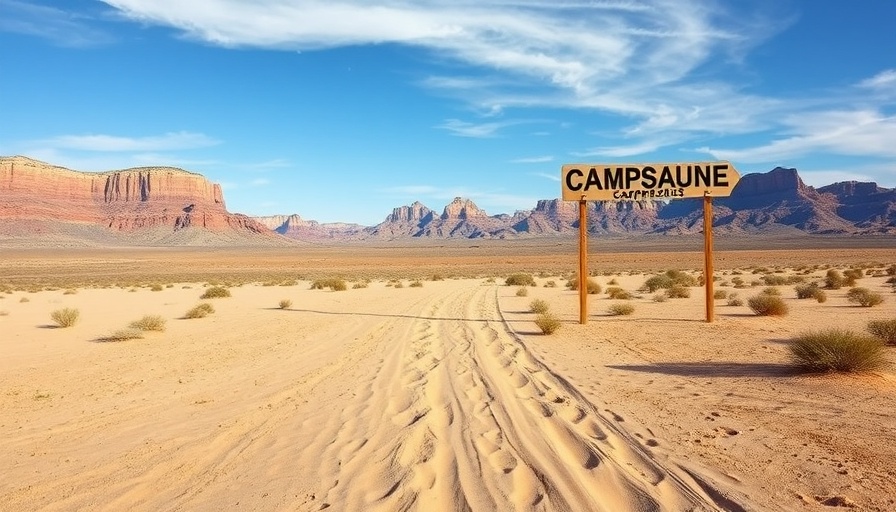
(837, 350)
(547, 322)
(621, 308)
(538, 306)
(285, 304)
(592, 286)
(520, 279)
(66, 317)
(522, 291)
(864, 297)
(767, 305)
(149, 323)
(200, 311)
(215, 292)
(885, 330)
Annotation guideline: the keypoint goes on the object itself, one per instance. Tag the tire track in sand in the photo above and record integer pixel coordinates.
(461, 416)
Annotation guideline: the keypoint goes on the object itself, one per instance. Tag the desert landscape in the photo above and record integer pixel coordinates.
(427, 384)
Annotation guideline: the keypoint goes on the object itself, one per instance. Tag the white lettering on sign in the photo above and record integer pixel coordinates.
(652, 181)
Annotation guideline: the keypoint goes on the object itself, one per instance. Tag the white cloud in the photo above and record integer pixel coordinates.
(533, 160)
(552, 177)
(171, 141)
(884, 79)
(466, 129)
(854, 133)
(60, 27)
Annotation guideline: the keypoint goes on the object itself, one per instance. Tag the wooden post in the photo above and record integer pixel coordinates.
(707, 255)
(583, 263)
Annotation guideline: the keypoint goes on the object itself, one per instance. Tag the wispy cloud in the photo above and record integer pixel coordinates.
(60, 27)
(260, 182)
(552, 177)
(884, 79)
(533, 160)
(474, 130)
(172, 141)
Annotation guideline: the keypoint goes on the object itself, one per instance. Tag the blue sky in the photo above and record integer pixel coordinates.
(341, 110)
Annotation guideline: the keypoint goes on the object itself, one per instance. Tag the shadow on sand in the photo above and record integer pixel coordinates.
(720, 369)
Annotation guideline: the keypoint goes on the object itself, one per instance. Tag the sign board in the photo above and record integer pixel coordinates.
(627, 182)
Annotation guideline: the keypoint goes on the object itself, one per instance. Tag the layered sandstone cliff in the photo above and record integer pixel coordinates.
(125, 200)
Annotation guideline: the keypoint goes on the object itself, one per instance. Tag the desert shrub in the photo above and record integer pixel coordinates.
(819, 295)
(613, 282)
(520, 279)
(720, 295)
(200, 311)
(334, 284)
(669, 279)
(660, 297)
(734, 301)
(885, 330)
(805, 291)
(837, 350)
(522, 291)
(490, 280)
(621, 308)
(285, 304)
(123, 335)
(891, 270)
(416, 284)
(359, 285)
(3, 312)
(547, 322)
(215, 292)
(70, 292)
(655, 283)
(767, 305)
(538, 306)
(24, 299)
(774, 280)
(149, 323)
(771, 291)
(834, 280)
(437, 277)
(678, 292)
(156, 288)
(738, 282)
(592, 286)
(852, 275)
(65, 317)
(398, 284)
(864, 297)
(614, 292)
(169, 285)
(550, 284)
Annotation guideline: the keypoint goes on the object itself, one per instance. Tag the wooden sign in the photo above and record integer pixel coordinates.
(627, 182)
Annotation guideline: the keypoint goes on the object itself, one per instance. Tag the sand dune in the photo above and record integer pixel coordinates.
(432, 398)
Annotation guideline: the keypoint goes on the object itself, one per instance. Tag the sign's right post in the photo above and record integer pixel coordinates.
(708, 276)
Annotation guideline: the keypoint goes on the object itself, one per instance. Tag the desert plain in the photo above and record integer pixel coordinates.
(438, 396)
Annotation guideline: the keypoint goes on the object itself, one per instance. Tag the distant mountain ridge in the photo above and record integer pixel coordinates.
(761, 201)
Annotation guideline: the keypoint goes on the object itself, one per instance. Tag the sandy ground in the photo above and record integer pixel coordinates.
(443, 397)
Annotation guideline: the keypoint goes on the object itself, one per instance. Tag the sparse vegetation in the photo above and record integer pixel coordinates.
(416, 284)
(215, 292)
(149, 323)
(65, 317)
(885, 330)
(156, 288)
(834, 280)
(522, 291)
(547, 322)
(70, 291)
(720, 295)
(359, 285)
(621, 308)
(678, 292)
(3, 312)
(837, 350)
(660, 297)
(334, 284)
(520, 279)
(669, 279)
(200, 311)
(771, 291)
(24, 299)
(550, 284)
(592, 286)
(767, 305)
(614, 292)
(734, 300)
(285, 304)
(437, 277)
(123, 335)
(538, 306)
(864, 297)
(398, 285)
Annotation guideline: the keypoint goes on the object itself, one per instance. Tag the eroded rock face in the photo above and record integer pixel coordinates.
(461, 208)
(122, 200)
(414, 212)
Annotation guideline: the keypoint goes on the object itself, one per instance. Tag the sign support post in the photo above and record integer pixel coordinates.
(707, 256)
(583, 261)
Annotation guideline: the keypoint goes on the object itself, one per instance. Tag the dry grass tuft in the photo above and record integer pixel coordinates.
(215, 292)
(837, 350)
(767, 305)
(885, 330)
(24, 299)
(621, 308)
(522, 292)
(200, 311)
(678, 292)
(864, 297)
(720, 294)
(416, 284)
(66, 317)
(149, 323)
(156, 288)
(591, 285)
(547, 322)
(539, 306)
(70, 291)
(285, 304)
(335, 284)
(123, 335)
(520, 279)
